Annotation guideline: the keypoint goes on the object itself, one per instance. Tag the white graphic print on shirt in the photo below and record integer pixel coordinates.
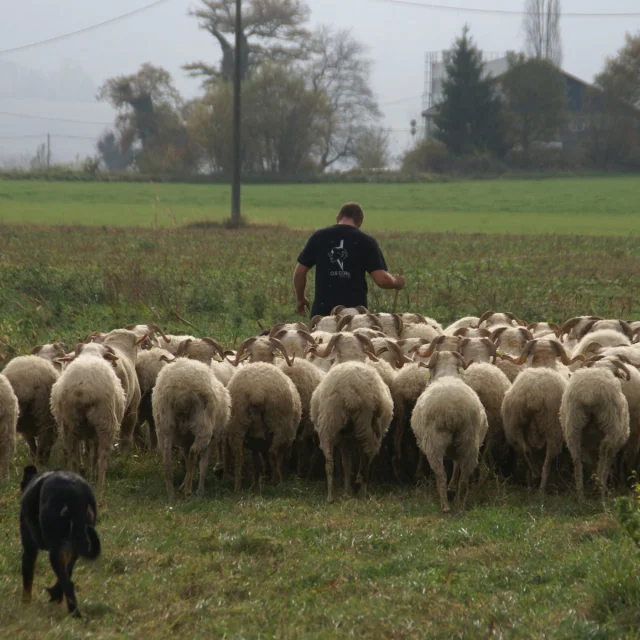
(339, 255)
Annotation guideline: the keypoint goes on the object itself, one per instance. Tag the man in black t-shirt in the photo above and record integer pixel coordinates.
(342, 255)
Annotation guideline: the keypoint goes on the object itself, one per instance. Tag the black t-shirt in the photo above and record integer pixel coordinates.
(341, 254)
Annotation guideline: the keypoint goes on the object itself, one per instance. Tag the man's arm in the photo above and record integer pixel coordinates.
(299, 286)
(386, 281)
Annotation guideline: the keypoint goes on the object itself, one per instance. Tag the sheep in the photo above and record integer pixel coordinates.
(421, 330)
(468, 322)
(148, 365)
(544, 352)
(124, 345)
(191, 408)
(203, 350)
(441, 343)
(449, 419)
(530, 417)
(594, 414)
(50, 352)
(175, 341)
(418, 318)
(591, 343)
(573, 329)
(510, 341)
(620, 326)
(88, 404)
(260, 349)
(631, 353)
(306, 378)
(369, 333)
(296, 341)
(544, 329)
(341, 311)
(9, 411)
(408, 346)
(351, 409)
(31, 378)
(265, 414)
(148, 333)
(493, 320)
(392, 324)
(388, 350)
(326, 323)
(345, 347)
(360, 321)
(470, 332)
(223, 371)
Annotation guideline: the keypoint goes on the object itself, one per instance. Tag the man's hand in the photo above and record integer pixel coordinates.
(302, 307)
(399, 282)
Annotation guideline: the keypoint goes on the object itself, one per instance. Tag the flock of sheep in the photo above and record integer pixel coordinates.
(377, 390)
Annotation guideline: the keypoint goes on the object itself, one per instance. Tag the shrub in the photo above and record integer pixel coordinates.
(428, 156)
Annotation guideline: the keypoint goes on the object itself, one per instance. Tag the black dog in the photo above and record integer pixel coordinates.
(57, 514)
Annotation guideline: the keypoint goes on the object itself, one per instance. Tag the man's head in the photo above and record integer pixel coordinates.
(351, 213)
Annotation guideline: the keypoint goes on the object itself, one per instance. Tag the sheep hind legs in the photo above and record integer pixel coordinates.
(437, 465)
(328, 465)
(166, 447)
(192, 459)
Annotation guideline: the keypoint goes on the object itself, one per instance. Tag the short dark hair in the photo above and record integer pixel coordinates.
(352, 210)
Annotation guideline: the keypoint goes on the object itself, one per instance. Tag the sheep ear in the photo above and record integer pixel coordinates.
(36, 350)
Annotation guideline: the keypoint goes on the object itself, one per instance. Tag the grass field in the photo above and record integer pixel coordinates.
(280, 562)
(592, 206)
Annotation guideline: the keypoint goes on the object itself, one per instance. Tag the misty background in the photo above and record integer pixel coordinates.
(60, 79)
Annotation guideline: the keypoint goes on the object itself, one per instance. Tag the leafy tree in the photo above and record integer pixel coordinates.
(111, 152)
(469, 118)
(372, 148)
(621, 74)
(340, 69)
(536, 97)
(272, 31)
(542, 30)
(151, 120)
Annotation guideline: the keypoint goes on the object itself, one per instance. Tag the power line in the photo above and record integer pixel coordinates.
(399, 101)
(34, 117)
(44, 135)
(506, 12)
(85, 29)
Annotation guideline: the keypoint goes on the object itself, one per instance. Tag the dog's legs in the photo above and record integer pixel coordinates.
(62, 561)
(29, 557)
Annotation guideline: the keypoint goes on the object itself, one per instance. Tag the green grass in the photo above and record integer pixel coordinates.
(592, 206)
(282, 563)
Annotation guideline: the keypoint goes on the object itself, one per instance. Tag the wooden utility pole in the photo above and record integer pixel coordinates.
(48, 151)
(237, 113)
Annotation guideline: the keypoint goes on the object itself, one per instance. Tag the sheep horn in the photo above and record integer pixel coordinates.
(566, 326)
(626, 328)
(485, 316)
(283, 350)
(462, 331)
(164, 358)
(36, 350)
(400, 357)
(336, 311)
(361, 309)
(495, 336)
(141, 340)
(241, 350)
(314, 321)
(620, 367)
(526, 333)
(366, 343)
(182, 347)
(514, 317)
(533, 326)
(330, 346)
(275, 330)
(216, 345)
(399, 322)
(375, 320)
(493, 351)
(344, 321)
(529, 348)
(307, 336)
(157, 329)
(433, 361)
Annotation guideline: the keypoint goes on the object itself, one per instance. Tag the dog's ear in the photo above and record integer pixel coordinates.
(30, 473)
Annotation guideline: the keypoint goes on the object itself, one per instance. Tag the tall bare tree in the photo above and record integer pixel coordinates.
(272, 32)
(340, 69)
(542, 30)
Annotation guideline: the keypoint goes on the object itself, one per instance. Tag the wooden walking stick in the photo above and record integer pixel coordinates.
(395, 297)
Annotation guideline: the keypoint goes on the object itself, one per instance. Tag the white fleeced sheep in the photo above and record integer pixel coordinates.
(595, 419)
(346, 347)
(511, 342)
(572, 330)
(360, 321)
(175, 341)
(51, 352)
(544, 329)
(265, 414)
(306, 378)
(9, 411)
(295, 341)
(325, 323)
(191, 408)
(261, 349)
(449, 420)
(201, 349)
(148, 334)
(468, 322)
(88, 404)
(530, 417)
(593, 342)
(31, 378)
(351, 409)
(420, 330)
(148, 365)
(392, 324)
(492, 320)
(545, 352)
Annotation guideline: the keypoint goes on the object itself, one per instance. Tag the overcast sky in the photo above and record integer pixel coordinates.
(398, 37)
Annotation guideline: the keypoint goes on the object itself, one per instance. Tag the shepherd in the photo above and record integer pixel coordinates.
(342, 256)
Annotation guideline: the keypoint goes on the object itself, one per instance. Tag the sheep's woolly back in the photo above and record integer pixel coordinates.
(223, 371)
(491, 385)
(468, 322)
(88, 400)
(449, 413)
(424, 331)
(306, 377)
(590, 344)
(148, 366)
(510, 369)
(264, 401)
(189, 400)
(352, 393)
(410, 382)
(8, 422)
(530, 410)
(385, 371)
(594, 398)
